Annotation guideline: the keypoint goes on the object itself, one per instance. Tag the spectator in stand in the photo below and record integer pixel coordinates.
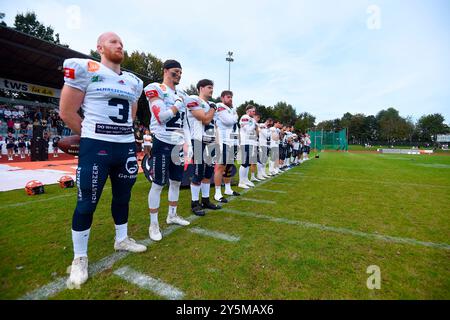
(1, 146)
(21, 145)
(10, 143)
(10, 124)
(55, 141)
(148, 142)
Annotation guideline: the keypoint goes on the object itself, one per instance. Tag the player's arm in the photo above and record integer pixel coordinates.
(70, 103)
(225, 117)
(204, 117)
(134, 111)
(161, 112)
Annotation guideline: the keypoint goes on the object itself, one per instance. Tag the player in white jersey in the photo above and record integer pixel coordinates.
(108, 98)
(248, 135)
(264, 147)
(168, 124)
(274, 148)
(226, 119)
(253, 167)
(306, 147)
(296, 148)
(203, 133)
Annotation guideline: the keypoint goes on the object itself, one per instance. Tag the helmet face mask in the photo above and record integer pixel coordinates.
(34, 187)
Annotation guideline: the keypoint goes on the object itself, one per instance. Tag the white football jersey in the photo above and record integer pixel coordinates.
(172, 131)
(199, 131)
(264, 135)
(248, 130)
(307, 141)
(108, 102)
(274, 142)
(227, 124)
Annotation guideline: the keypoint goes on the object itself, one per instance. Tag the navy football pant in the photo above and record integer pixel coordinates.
(98, 160)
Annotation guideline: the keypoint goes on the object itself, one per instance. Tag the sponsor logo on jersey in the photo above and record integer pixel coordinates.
(121, 82)
(163, 87)
(221, 109)
(151, 94)
(69, 73)
(192, 104)
(97, 78)
(93, 66)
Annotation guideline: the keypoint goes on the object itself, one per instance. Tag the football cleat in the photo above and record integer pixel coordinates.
(78, 271)
(206, 204)
(129, 244)
(243, 185)
(249, 183)
(221, 199)
(197, 208)
(177, 220)
(234, 193)
(154, 232)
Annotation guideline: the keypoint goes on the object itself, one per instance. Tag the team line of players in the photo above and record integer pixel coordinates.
(195, 130)
(186, 129)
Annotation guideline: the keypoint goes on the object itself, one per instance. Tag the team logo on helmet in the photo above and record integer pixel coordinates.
(34, 187)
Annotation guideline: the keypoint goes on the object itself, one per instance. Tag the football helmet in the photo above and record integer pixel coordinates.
(34, 187)
(66, 182)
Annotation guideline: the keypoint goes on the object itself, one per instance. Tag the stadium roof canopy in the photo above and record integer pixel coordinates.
(29, 59)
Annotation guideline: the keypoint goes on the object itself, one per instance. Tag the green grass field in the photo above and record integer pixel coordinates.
(319, 227)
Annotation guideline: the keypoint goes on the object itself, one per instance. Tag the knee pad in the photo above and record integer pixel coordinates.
(154, 196)
(174, 190)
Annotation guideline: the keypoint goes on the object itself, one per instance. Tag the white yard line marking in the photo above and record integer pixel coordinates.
(341, 230)
(214, 234)
(59, 284)
(106, 263)
(148, 283)
(370, 181)
(272, 191)
(257, 200)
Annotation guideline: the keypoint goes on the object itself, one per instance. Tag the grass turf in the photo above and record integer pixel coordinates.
(395, 195)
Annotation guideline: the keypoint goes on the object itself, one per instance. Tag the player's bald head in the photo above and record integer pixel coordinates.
(105, 36)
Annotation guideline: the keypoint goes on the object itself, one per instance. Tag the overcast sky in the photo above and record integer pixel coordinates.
(325, 57)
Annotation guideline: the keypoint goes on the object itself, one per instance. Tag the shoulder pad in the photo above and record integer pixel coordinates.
(155, 90)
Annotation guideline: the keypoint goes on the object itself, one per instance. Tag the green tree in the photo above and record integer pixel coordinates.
(285, 113)
(304, 122)
(28, 23)
(261, 109)
(191, 90)
(391, 125)
(2, 16)
(431, 125)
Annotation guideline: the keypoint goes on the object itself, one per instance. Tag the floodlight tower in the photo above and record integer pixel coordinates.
(230, 60)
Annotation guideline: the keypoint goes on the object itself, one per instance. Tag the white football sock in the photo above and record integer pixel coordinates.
(80, 241)
(121, 232)
(228, 188)
(172, 211)
(218, 193)
(195, 192)
(154, 218)
(205, 190)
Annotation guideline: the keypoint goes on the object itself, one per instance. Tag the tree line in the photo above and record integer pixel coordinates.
(386, 126)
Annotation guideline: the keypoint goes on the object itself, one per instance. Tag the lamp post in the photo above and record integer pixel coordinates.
(230, 60)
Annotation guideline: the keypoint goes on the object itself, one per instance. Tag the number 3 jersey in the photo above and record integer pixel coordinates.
(108, 101)
(173, 130)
